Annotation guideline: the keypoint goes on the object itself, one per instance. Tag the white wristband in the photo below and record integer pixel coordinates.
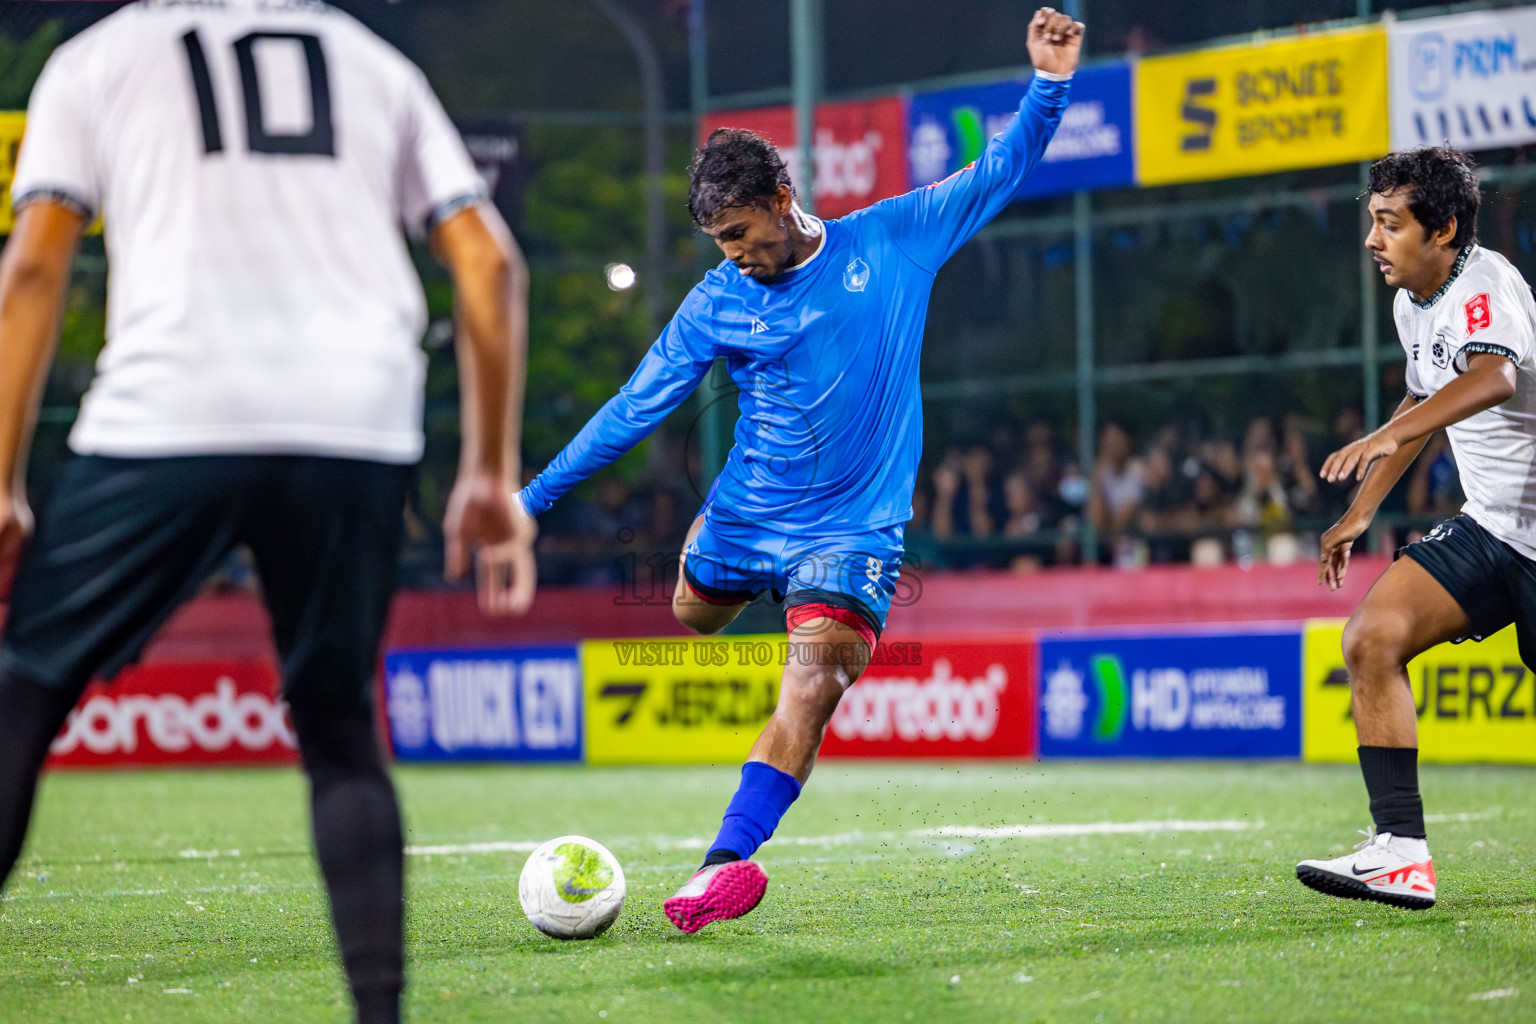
(1051, 76)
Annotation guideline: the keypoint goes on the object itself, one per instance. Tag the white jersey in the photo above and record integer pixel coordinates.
(254, 161)
(1484, 307)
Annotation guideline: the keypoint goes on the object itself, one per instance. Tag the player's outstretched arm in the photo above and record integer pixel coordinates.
(490, 281)
(668, 374)
(930, 224)
(34, 273)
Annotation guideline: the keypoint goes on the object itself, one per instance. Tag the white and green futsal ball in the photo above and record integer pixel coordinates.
(572, 888)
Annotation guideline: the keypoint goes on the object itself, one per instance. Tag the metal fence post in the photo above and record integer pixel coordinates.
(1082, 297)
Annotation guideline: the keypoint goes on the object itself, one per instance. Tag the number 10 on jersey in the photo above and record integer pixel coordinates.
(319, 140)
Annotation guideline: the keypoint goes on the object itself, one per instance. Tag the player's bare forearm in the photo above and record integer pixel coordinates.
(1384, 473)
(491, 288)
(34, 274)
(1489, 381)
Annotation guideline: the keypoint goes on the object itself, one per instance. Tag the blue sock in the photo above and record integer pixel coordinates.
(764, 795)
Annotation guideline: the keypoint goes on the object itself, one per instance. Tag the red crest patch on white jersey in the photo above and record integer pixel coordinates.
(1479, 314)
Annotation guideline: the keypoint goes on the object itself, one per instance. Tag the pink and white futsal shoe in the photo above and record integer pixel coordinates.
(1385, 868)
(719, 892)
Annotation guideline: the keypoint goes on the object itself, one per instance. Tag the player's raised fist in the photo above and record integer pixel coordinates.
(1055, 41)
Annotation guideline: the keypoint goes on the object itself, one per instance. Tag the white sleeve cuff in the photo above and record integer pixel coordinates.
(1051, 76)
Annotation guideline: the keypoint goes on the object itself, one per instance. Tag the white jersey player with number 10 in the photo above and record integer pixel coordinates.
(255, 174)
(254, 162)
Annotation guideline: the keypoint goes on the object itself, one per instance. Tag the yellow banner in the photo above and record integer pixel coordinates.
(1303, 102)
(679, 701)
(1476, 701)
(12, 124)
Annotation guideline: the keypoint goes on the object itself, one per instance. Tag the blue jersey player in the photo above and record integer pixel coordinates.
(821, 325)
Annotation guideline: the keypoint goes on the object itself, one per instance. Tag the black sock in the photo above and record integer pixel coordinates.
(1392, 780)
(720, 857)
(30, 716)
(359, 843)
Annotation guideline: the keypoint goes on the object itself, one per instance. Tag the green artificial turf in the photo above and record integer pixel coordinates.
(108, 918)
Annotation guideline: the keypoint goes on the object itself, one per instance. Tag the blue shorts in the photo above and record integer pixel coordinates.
(730, 564)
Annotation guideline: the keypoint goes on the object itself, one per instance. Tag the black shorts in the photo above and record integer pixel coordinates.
(122, 543)
(1494, 584)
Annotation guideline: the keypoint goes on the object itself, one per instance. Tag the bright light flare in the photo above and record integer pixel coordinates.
(621, 276)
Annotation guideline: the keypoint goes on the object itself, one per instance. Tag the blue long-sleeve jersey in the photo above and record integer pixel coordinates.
(825, 355)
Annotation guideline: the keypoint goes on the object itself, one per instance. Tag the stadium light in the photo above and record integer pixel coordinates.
(620, 276)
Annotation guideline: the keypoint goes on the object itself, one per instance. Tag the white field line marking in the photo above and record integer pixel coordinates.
(495, 847)
(1498, 993)
(1443, 819)
(1099, 828)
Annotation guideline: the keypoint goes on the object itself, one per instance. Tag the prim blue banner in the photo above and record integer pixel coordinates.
(508, 704)
(1205, 694)
(1093, 147)
(1467, 79)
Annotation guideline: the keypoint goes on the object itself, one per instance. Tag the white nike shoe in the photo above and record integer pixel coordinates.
(1385, 868)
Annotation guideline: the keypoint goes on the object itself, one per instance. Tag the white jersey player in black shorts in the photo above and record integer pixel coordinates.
(254, 161)
(1467, 322)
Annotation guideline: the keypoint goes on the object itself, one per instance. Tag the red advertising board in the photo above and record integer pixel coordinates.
(192, 713)
(859, 152)
(941, 698)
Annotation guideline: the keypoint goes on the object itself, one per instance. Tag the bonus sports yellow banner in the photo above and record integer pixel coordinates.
(679, 701)
(1302, 102)
(1475, 701)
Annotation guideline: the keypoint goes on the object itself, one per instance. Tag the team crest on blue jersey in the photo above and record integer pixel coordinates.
(856, 275)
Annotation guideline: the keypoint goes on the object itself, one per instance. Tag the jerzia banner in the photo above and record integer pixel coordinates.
(1475, 701)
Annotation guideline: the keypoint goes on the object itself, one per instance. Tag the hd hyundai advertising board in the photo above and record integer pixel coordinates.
(1213, 694)
(1092, 147)
(509, 704)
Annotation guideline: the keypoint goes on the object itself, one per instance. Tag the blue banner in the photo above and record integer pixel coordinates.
(508, 704)
(1183, 695)
(1093, 147)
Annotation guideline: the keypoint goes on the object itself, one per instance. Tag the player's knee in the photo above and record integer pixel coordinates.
(816, 688)
(698, 616)
(1374, 648)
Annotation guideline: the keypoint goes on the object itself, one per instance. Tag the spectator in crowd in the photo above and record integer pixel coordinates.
(963, 494)
(1333, 499)
(1295, 465)
(1434, 489)
(1115, 490)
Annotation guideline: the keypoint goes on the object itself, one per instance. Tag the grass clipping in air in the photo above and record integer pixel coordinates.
(191, 896)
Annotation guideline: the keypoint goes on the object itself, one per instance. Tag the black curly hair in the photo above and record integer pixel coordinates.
(734, 167)
(1443, 184)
